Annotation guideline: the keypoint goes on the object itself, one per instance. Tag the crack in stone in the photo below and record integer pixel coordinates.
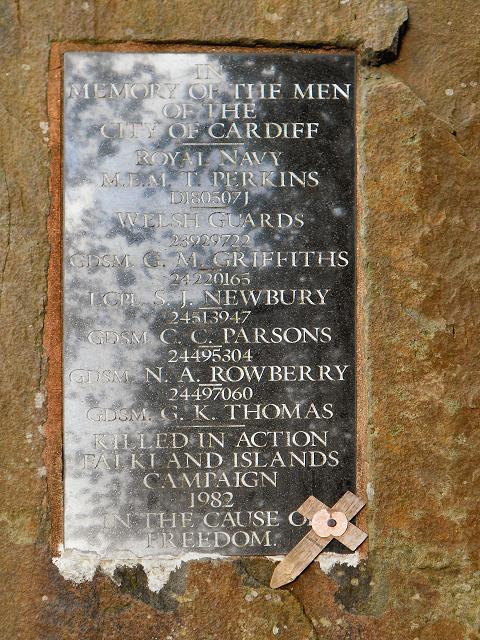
(305, 614)
(9, 237)
(262, 579)
(18, 121)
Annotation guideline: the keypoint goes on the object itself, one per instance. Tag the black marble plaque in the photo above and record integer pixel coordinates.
(209, 292)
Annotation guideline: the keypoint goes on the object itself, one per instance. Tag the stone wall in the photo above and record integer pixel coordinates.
(418, 138)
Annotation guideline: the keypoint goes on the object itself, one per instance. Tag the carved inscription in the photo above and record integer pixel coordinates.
(209, 283)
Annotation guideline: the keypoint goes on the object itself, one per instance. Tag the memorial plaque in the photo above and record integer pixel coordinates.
(209, 298)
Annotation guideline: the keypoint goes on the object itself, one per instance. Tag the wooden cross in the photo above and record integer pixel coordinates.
(327, 524)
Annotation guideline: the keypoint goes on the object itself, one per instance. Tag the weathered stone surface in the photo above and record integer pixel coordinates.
(419, 215)
(437, 61)
(418, 173)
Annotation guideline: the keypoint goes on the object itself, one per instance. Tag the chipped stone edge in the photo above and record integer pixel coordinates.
(374, 55)
(81, 566)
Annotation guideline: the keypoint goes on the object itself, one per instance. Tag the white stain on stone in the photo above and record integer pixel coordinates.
(77, 566)
(39, 400)
(328, 561)
(273, 17)
(251, 595)
(157, 571)
(44, 127)
(80, 566)
(370, 491)
(449, 92)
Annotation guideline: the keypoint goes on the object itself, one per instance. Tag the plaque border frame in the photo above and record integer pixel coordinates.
(53, 325)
